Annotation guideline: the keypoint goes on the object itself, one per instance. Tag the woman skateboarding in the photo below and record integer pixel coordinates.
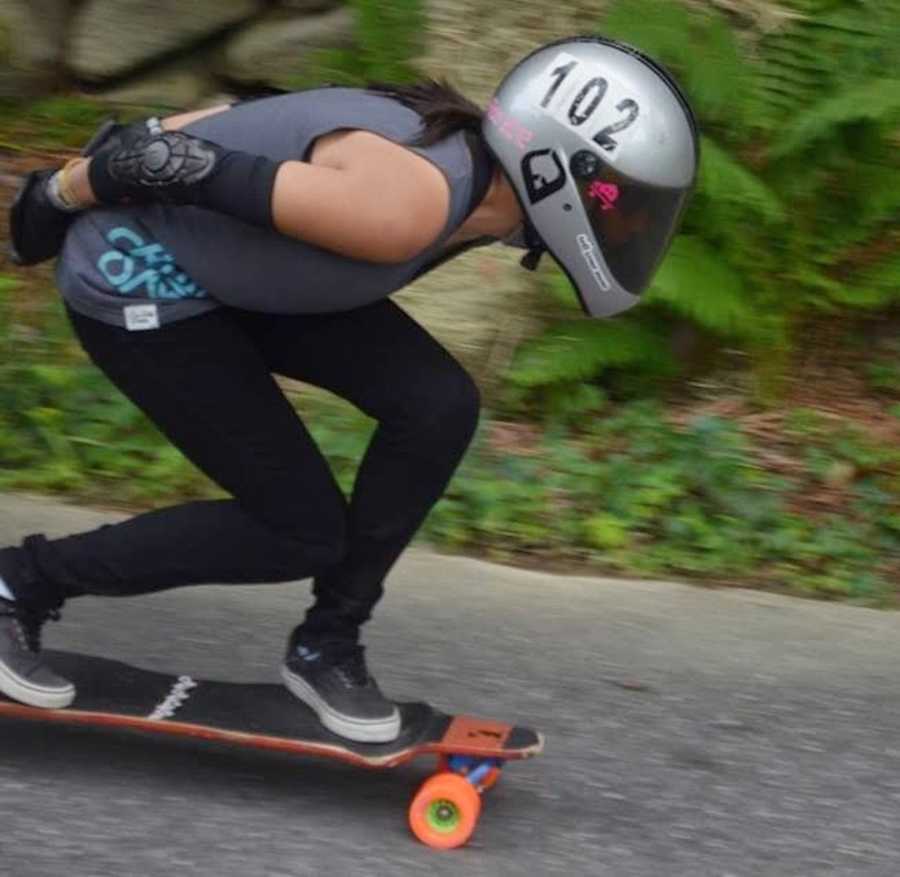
(201, 255)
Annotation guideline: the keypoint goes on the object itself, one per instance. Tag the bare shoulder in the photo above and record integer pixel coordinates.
(412, 193)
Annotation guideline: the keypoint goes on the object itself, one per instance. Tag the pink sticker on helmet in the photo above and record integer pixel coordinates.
(607, 193)
(509, 126)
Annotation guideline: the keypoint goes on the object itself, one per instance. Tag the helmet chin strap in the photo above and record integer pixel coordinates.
(525, 237)
(535, 245)
(532, 259)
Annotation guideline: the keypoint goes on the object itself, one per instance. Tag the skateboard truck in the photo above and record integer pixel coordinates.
(445, 810)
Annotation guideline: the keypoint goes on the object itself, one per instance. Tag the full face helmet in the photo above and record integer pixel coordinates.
(602, 150)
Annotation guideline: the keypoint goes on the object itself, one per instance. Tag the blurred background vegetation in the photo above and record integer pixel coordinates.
(741, 427)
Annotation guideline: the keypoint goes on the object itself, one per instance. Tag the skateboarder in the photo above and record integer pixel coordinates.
(203, 254)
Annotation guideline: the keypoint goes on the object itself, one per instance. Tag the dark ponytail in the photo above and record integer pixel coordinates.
(443, 109)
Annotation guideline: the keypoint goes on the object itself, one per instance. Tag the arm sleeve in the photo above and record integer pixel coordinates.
(176, 168)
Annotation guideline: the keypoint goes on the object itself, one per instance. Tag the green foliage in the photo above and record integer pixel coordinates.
(831, 46)
(875, 100)
(635, 494)
(64, 427)
(51, 124)
(579, 349)
(697, 283)
(391, 35)
(342, 431)
(703, 50)
(724, 181)
(627, 492)
(797, 195)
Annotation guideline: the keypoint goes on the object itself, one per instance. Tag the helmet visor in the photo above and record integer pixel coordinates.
(632, 222)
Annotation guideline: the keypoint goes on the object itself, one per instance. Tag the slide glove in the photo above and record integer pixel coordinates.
(37, 227)
(173, 167)
(111, 135)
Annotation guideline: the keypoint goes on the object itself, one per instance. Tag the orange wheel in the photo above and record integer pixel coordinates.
(445, 811)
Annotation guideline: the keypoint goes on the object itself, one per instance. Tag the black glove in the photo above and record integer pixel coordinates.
(111, 134)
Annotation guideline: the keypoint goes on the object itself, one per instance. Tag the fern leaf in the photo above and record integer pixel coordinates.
(581, 349)
(836, 43)
(700, 46)
(876, 100)
(875, 286)
(695, 281)
(722, 178)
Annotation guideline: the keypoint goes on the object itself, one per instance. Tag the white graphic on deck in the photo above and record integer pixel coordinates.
(177, 696)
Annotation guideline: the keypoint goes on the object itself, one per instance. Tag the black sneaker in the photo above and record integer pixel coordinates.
(332, 679)
(23, 674)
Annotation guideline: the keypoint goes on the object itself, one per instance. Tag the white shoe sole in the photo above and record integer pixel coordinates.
(358, 730)
(34, 695)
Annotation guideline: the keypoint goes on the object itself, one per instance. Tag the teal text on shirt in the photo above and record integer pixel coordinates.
(135, 267)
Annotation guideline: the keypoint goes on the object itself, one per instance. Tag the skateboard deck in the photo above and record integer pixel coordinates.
(470, 751)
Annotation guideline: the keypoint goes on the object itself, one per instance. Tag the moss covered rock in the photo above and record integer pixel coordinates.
(282, 47)
(112, 37)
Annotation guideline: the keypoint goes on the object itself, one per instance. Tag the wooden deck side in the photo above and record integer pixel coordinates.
(462, 738)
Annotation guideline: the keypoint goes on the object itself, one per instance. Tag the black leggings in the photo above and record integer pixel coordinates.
(207, 383)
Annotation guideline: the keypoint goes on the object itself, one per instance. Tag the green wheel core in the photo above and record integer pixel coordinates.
(443, 815)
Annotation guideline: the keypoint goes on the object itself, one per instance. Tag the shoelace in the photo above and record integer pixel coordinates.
(350, 666)
(28, 623)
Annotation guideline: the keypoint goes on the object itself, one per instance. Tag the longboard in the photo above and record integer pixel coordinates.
(443, 813)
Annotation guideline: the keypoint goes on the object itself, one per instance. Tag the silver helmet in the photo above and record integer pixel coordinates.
(602, 149)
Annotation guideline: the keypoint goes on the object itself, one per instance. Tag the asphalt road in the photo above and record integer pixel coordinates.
(690, 733)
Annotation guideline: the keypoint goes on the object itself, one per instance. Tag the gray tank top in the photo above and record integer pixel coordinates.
(144, 266)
